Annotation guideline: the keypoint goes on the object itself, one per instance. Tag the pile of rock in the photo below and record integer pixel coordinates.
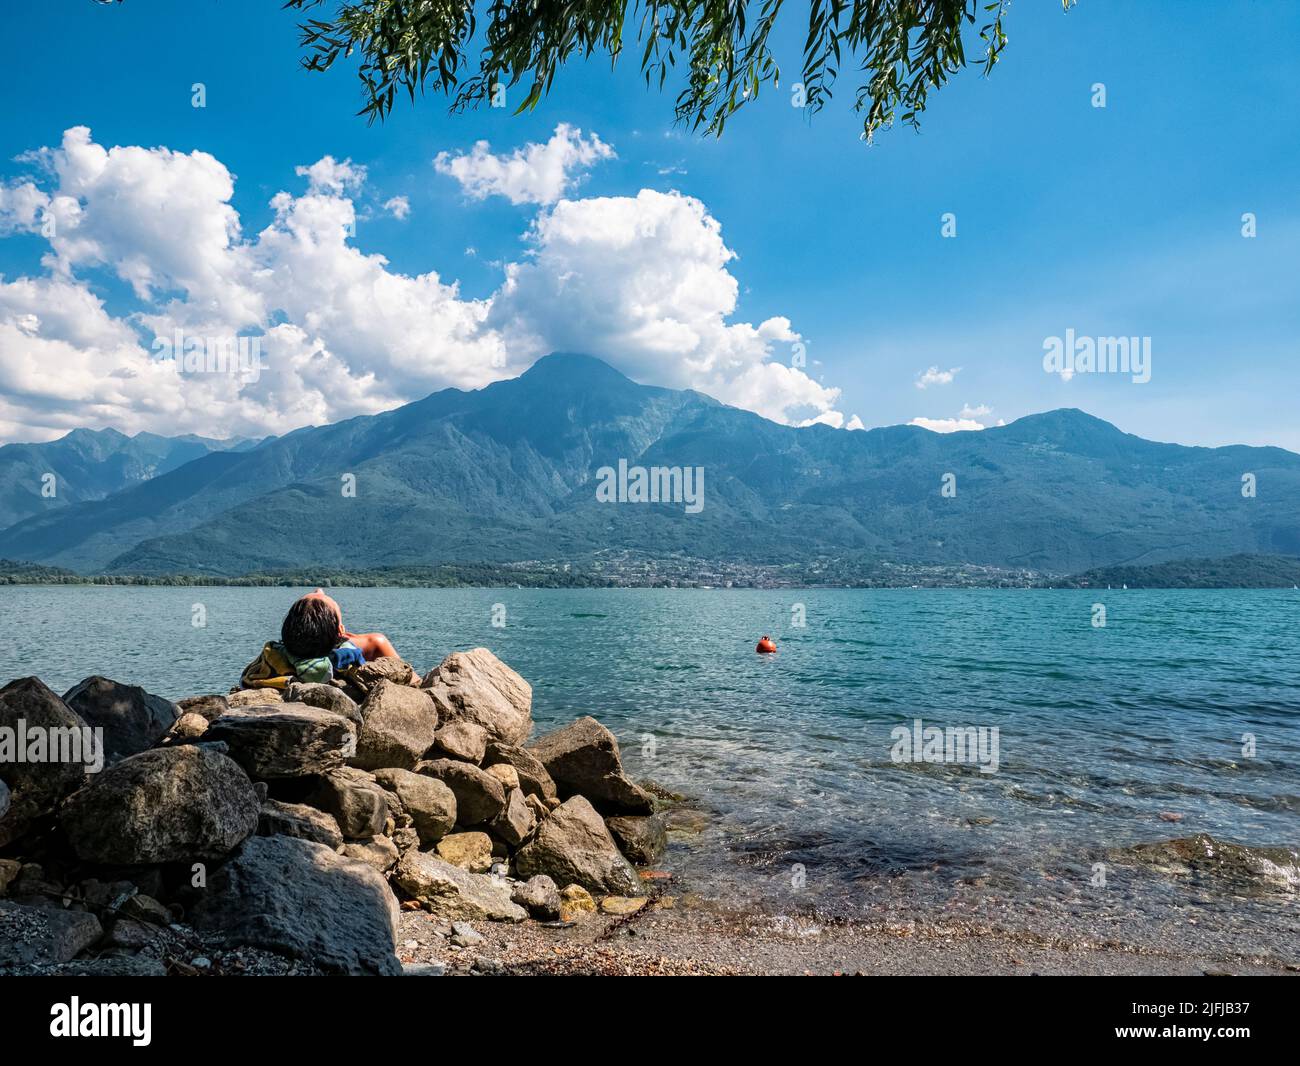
(299, 822)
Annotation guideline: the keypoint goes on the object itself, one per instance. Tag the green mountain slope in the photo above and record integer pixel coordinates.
(90, 465)
(1230, 572)
(507, 474)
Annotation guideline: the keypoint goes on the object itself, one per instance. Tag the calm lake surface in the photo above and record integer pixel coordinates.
(1100, 730)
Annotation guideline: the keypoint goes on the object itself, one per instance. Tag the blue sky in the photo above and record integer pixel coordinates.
(1115, 221)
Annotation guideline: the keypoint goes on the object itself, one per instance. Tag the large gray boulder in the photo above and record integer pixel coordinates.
(533, 778)
(399, 724)
(641, 837)
(36, 787)
(475, 686)
(480, 797)
(131, 718)
(179, 804)
(357, 802)
(285, 739)
(299, 820)
(429, 802)
(326, 697)
(453, 893)
(43, 936)
(304, 900)
(583, 759)
(573, 846)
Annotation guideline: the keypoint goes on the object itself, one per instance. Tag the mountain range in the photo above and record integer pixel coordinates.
(508, 473)
(89, 465)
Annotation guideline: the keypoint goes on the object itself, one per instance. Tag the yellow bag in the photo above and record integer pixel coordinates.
(271, 669)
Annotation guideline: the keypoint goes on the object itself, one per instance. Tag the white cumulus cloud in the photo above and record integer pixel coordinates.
(934, 376)
(642, 281)
(946, 425)
(327, 175)
(968, 418)
(534, 174)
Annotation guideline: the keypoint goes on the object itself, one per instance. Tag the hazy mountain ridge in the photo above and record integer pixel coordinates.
(505, 474)
(91, 464)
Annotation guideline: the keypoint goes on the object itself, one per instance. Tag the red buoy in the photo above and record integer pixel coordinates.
(766, 646)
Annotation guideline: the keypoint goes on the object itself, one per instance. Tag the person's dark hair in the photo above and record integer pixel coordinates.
(310, 629)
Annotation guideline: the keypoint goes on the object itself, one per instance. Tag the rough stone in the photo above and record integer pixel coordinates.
(400, 723)
(476, 686)
(33, 885)
(299, 820)
(464, 935)
(537, 806)
(36, 788)
(642, 838)
(304, 900)
(575, 901)
(452, 893)
(1244, 869)
(357, 802)
(378, 852)
(573, 846)
(470, 851)
(505, 773)
(146, 909)
(131, 718)
(189, 726)
(179, 804)
(43, 936)
(516, 822)
(106, 895)
(253, 697)
(385, 668)
(539, 896)
(8, 873)
(405, 838)
(128, 934)
(210, 706)
(463, 740)
(479, 796)
(424, 969)
(325, 697)
(583, 759)
(429, 802)
(533, 778)
(291, 740)
(622, 905)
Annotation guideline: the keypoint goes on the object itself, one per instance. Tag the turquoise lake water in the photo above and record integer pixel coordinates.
(1100, 729)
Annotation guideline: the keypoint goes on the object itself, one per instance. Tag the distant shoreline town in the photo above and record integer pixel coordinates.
(630, 570)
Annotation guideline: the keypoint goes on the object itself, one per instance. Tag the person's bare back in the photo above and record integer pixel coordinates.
(371, 645)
